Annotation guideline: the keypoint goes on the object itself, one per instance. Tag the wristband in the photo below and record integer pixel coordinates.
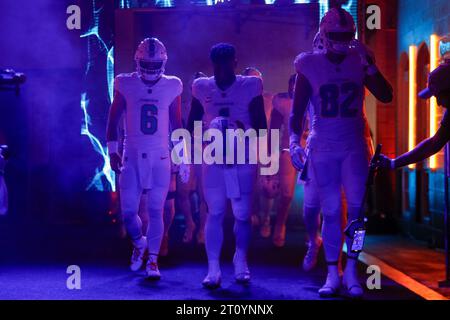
(113, 147)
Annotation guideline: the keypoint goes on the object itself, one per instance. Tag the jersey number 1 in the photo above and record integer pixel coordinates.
(330, 93)
(149, 121)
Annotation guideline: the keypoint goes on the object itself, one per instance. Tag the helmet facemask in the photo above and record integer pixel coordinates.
(150, 70)
(339, 42)
(338, 31)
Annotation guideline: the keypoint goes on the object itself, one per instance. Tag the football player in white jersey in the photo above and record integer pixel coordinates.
(150, 100)
(334, 84)
(237, 99)
(311, 201)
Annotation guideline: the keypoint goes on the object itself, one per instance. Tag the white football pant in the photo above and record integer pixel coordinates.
(331, 171)
(220, 183)
(150, 171)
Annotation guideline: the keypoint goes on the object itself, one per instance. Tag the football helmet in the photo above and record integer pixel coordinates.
(151, 59)
(338, 30)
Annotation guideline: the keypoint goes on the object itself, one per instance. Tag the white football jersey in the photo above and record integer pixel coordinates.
(234, 101)
(147, 110)
(337, 117)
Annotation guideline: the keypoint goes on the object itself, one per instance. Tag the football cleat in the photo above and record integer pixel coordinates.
(151, 59)
(138, 255)
(350, 283)
(212, 282)
(241, 271)
(354, 291)
(214, 278)
(337, 29)
(152, 268)
(310, 260)
(331, 288)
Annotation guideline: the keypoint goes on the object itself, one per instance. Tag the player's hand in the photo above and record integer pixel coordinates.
(367, 56)
(116, 162)
(184, 172)
(298, 156)
(384, 162)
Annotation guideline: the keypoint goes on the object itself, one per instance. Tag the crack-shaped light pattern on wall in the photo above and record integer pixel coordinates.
(105, 171)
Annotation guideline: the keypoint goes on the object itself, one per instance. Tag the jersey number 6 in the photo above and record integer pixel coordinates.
(149, 121)
(330, 93)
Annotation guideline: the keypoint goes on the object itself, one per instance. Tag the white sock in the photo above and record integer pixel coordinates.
(242, 232)
(155, 231)
(214, 236)
(333, 279)
(332, 236)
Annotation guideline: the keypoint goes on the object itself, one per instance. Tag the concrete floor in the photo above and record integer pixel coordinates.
(35, 268)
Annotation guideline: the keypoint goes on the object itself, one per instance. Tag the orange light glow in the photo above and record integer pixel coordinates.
(434, 63)
(412, 99)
